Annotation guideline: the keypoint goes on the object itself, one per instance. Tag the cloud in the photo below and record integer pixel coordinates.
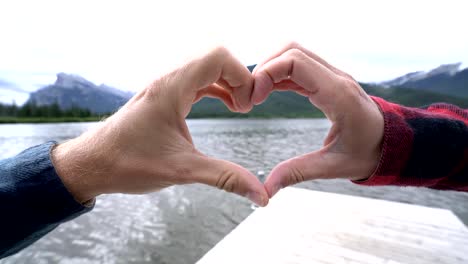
(128, 43)
(6, 85)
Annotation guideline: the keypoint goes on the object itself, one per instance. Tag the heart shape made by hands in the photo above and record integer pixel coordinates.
(152, 147)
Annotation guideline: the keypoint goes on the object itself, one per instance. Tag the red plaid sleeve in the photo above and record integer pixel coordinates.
(423, 147)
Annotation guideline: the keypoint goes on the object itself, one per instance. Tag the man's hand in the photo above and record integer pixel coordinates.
(353, 145)
(146, 145)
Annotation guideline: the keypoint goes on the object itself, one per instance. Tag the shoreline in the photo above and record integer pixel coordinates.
(42, 120)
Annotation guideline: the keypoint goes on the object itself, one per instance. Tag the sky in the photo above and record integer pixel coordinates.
(126, 44)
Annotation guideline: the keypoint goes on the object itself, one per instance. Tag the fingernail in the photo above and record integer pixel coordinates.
(255, 98)
(256, 198)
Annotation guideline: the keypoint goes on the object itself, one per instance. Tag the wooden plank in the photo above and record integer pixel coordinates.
(303, 226)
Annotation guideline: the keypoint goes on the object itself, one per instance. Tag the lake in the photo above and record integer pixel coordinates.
(181, 223)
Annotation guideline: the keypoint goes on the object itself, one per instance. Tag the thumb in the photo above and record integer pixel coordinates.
(229, 177)
(315, 165)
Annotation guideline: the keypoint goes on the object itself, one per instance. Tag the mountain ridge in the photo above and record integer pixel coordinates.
(70, 90)
(446, 79)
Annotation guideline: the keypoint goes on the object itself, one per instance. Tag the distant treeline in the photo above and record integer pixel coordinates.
(279, 104)
(46, 111)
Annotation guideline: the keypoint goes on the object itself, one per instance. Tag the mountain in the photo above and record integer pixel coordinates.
(445, 79)
(290, 104)
(403, 79)
(413, 97)
(73, 90)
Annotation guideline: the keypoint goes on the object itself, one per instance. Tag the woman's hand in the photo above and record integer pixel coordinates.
(147, 146)
(353, 146)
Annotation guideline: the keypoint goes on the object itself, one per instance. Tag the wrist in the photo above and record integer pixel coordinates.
(372, 155)
(394, 146)
(80, 168)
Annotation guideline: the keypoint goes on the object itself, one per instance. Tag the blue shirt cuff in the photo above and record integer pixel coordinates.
(33, 199)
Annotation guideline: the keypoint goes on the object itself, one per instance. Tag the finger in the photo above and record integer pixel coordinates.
(327, 163)
(237, 77)
(214, 91)
(315, 165)
(219, 66)
(229, 177)
(295, 45)
(288, 85)
(296, 66)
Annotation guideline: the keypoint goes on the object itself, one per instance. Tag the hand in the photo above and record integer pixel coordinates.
(353, 146)
(146, 145)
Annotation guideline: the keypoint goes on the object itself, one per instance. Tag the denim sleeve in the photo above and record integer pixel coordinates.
(33, 199)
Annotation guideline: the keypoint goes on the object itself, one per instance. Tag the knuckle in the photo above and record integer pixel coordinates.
(294, 54)
(293, 45)
(341, 82)
(351, 87)
(231, 185)
(220, 52)
(153, 91)
(296, 175)
(347, 75)
(292, 173)
(227, 181)
(212, 61)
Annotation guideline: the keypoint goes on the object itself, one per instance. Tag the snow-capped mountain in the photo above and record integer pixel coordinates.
(445, 79)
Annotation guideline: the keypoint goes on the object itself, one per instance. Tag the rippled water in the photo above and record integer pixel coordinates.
(180, 224)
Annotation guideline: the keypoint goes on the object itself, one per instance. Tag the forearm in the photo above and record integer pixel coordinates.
(33, 199)
(423, 147)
